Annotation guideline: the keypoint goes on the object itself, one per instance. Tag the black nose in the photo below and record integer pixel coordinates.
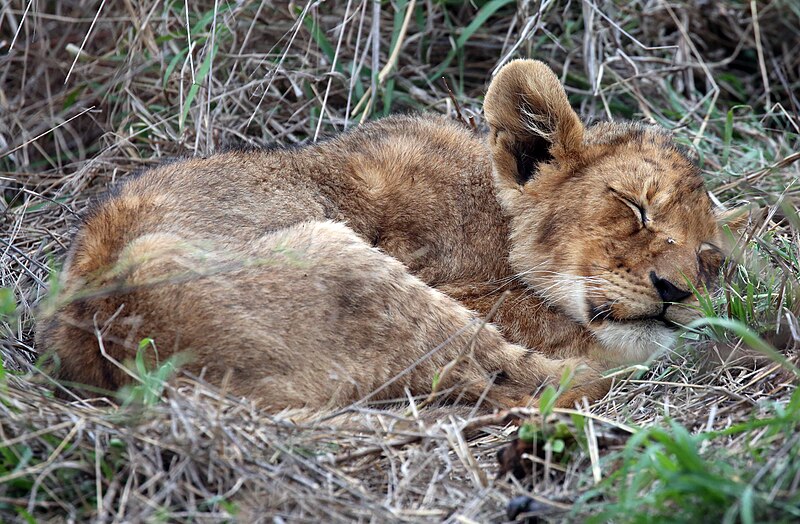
(668, 291)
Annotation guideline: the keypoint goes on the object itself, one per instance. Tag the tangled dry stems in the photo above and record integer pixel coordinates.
(90, 92)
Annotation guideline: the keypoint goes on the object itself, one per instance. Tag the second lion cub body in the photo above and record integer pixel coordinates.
(358, 267)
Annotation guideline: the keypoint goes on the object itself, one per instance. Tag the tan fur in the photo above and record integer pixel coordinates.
(357, 268)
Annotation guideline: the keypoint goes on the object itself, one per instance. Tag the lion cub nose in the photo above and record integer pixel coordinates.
(668, 291)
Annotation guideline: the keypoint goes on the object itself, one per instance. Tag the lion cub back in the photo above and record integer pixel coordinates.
(171, 255)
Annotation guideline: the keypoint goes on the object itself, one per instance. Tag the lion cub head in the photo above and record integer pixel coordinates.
(610, 224)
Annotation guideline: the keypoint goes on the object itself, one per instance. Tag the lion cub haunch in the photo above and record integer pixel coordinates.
(357, 268)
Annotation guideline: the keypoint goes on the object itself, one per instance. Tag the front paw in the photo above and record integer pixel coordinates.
(586, 382)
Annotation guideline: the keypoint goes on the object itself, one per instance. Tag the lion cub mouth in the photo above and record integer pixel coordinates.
(671, 315)
(599, 315)
(637, 338)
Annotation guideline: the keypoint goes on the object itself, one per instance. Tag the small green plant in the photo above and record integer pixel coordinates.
(151, 381)
(664, 474)
(8, 304)
(556, 437)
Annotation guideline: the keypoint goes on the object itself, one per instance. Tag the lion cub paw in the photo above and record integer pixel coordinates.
(587, 382)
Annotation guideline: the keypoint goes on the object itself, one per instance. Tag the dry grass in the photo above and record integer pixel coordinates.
(91, 91)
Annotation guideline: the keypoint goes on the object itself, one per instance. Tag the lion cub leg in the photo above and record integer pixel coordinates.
(307, 316)
(360, 326)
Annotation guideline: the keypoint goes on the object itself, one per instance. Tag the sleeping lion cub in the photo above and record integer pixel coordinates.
(358, 267)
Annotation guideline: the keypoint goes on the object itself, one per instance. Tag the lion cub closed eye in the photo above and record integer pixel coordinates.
(357, 268)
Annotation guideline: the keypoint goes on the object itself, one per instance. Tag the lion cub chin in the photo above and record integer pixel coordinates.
(357, 269)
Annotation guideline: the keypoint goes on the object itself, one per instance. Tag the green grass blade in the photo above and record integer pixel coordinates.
(202, 73)
(749, 337)
(483, 15)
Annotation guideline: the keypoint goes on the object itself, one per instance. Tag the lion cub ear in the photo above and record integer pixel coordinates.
(733, 224)
(736, 219)
(530, 122)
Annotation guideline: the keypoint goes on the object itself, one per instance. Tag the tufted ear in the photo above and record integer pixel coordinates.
(736, 219)
(733, 224)
(530, 122)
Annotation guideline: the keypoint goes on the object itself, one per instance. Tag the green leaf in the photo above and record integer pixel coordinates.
(547, 400)
(141, 368)
(566, 378)
(200, 77)
(728, 135)
(319, 37)
(8, 303)
(3, 383)
(388, 95)
(72, 97)
(527, 432)
(749, 337)
(746, 505)
(180, 55)
(200, 26)
(329, 50)
(483, 14)
(22, 512)
(229, 507)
